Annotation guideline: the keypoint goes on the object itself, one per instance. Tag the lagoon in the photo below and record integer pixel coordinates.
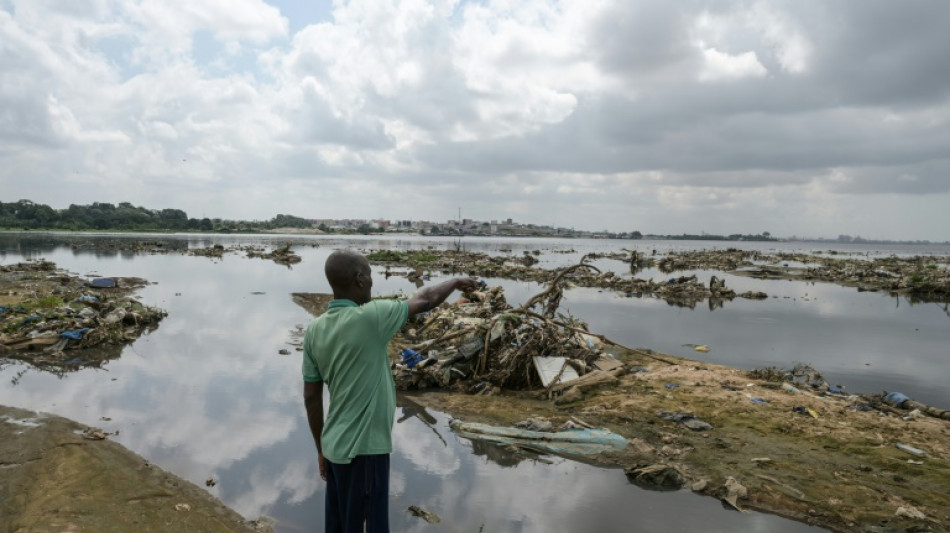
(208, 394)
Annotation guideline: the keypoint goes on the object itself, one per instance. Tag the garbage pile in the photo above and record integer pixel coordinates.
(49, 314)
(683, 291)
(803, 379)
(282, 255)
(725, 260)
(484, 344)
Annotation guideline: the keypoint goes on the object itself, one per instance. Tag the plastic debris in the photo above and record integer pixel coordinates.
(910, 449)
(687, 419)
(732, 491)
(896, 399)
(568, 442)
(805, 411)
(74, 335)
(656, 477)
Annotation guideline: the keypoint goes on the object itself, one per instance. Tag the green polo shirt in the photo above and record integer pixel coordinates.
(346, 349)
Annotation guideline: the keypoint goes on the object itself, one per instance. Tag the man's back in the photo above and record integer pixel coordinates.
(346, 349)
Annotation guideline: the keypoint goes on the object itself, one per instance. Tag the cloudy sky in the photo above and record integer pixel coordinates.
(798, 118)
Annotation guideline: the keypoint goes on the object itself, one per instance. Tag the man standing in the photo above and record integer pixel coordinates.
(346, 349)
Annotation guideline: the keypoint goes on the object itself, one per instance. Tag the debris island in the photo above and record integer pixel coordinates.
(62, 322)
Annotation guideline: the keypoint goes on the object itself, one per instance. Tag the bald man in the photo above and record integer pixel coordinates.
(346, 348)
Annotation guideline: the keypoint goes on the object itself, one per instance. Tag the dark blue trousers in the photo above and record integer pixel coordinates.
(358, 494)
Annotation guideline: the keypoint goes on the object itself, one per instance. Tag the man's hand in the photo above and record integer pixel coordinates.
(466, 284)
(323, 466)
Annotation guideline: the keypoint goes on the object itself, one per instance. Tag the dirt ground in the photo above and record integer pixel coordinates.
(55, 479)
(841, 470)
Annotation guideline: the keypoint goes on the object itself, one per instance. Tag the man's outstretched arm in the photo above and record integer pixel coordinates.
(313, 401)
(430, 297)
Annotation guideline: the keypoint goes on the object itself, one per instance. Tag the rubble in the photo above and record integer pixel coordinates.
(57, 321)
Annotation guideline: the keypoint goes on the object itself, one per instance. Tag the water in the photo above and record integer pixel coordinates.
(208, 395)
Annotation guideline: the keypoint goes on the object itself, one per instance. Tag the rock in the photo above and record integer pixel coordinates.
(573, 394)
(910, 512)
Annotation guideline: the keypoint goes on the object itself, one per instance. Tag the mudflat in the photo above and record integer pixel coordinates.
(58, 475)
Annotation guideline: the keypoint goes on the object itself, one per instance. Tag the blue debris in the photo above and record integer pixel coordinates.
(87, 298)
(836, 390)
(29, 320)
(3, 309)
(102, 283)
(75, 335)
(759, 400)
(896, 399)
(671, 385)
(411, 357)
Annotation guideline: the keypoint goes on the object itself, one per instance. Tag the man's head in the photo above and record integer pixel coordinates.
(350, 276)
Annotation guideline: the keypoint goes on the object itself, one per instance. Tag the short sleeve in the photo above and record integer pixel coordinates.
(310, 372)
(392, 315)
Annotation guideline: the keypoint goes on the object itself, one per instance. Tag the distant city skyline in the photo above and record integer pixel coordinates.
(797, 118)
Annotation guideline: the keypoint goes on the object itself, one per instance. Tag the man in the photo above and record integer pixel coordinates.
(346, 349)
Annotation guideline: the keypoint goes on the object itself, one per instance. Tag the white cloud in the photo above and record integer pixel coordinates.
(721, 66)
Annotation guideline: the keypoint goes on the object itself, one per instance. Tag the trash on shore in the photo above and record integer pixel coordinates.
(660, 477)
(910, 449)
(732, 491)
(483, 344)
(577, 441)
(687, 419)
(282, 255)
(61, 321)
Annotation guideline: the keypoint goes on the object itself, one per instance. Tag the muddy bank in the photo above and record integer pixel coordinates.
(61, 322)
(53, 477)
(841, 470)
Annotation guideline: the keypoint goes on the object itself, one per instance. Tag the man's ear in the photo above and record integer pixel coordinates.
(358, 279)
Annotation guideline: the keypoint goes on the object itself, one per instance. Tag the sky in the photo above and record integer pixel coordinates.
(808, 119)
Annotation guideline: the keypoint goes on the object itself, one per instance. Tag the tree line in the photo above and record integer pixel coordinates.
(28, 215)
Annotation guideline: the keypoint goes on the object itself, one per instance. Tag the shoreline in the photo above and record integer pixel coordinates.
(58, 475)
